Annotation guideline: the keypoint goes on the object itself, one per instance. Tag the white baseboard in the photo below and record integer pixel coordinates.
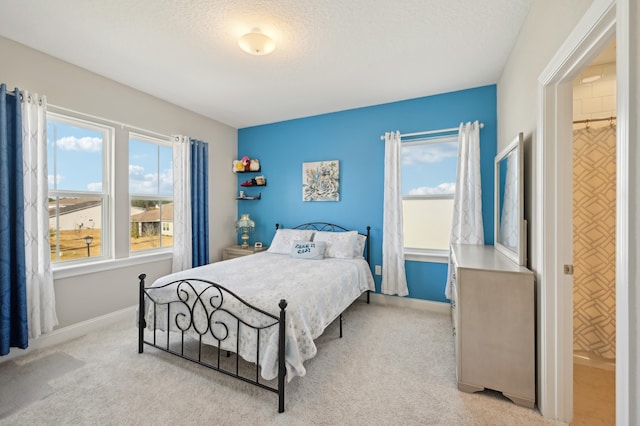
(407, 302)
(73, 331)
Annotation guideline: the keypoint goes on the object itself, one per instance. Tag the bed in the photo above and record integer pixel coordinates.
(265, 309)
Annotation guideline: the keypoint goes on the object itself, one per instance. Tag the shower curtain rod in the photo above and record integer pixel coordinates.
(589, 120)
(430, 132)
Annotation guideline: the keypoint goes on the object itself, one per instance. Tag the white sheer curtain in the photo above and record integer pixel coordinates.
(394, 278)
(467, 227)
(182, 251)
(41, 302)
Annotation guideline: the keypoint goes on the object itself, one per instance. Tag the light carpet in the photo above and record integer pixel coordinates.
(22, 383)
(394, 366)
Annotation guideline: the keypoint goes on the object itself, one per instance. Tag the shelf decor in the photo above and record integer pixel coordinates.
(321, 180)
(256, 181)
(245, 164)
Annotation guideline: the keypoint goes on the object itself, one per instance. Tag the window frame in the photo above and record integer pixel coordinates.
(160, 142)
(118, 209)
(106, 193)
(427, 254)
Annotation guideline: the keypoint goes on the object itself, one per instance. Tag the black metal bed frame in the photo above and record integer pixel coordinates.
(199, 294)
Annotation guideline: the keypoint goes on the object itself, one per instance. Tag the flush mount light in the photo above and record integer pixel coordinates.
(590, 79)
(257, 43)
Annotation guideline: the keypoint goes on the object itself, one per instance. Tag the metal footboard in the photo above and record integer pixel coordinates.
(196, 309)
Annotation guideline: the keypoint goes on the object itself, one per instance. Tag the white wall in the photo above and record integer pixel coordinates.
(546, 28)
(84, 297)
(548, 24)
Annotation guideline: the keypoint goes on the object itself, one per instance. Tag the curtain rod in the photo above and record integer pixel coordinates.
(431, 132)
(13, 94)
(104, 120)
(589, 120)
(21, 96)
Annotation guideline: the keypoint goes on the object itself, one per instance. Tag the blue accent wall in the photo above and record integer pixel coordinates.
(353, 138)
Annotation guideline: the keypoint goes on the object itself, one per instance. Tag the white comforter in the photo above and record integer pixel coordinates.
(316, 291)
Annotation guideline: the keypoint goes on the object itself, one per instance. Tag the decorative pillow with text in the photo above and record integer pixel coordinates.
(283, 240)
(308, 250)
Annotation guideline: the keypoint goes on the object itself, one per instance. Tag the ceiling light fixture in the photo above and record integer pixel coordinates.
(591, 79)
(256, 43)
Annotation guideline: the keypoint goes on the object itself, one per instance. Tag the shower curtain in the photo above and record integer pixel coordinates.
(594, 243)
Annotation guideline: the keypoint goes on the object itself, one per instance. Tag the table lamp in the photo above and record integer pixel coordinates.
(246, 225)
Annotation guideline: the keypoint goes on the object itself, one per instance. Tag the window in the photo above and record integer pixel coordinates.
(100, 178)
(428, 186)
(79, 197)
(151, 193)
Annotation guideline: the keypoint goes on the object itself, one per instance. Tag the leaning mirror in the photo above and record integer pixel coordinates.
(510, 227)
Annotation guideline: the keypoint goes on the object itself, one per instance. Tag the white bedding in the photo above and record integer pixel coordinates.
(316, 291)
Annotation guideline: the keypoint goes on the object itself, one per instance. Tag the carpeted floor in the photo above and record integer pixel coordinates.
(394, 366)
(22, 383)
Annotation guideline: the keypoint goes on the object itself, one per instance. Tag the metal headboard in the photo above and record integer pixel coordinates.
(332, 227)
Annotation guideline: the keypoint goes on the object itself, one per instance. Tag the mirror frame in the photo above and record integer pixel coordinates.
(518, 255)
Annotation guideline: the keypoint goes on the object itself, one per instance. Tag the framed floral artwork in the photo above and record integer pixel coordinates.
(321, 180)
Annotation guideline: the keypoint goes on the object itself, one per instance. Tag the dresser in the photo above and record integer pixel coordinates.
(493, 312)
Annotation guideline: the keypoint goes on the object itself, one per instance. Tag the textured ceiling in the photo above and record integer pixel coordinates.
(331, 55)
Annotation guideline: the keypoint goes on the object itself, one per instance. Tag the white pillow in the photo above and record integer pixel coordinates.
(361, 240)
(283, 240)
(312, 250)
(340, 245)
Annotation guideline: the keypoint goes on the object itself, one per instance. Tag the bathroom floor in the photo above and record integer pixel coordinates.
(594, 396)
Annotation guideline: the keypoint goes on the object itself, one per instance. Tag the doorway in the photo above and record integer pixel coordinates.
(594, 236)
(553, 211)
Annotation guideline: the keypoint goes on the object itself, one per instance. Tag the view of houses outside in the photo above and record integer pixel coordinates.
(152, 226)
(80, 233)
(80, 225)
(151, 191)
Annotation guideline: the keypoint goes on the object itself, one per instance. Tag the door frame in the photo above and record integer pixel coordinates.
(595, 30)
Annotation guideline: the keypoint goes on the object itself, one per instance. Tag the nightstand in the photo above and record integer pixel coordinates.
(237, 251)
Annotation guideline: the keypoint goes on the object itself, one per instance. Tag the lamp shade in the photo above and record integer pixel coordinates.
(245, 222)
(257, 43)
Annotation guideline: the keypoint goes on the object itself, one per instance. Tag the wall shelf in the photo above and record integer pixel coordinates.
(250, 197)
(252, 185)
(250, 182)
